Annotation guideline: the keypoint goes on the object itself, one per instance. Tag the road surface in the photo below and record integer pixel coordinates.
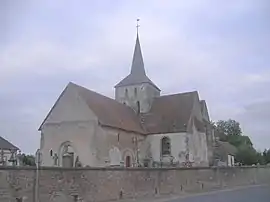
(250, 194)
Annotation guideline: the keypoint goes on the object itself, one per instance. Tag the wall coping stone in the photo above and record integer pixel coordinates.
(125, 169)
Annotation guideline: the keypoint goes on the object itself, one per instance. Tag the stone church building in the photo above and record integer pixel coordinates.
(140, 127)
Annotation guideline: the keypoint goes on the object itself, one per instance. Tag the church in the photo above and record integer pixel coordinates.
(139, 128)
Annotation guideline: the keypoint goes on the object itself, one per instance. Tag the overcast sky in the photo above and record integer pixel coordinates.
(219, 47)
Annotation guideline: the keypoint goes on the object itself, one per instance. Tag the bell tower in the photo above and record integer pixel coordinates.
(136, 90)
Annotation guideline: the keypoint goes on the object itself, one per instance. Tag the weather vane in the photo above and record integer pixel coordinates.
(137, 26)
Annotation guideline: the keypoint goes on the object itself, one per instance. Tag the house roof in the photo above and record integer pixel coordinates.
(225, 148)
(4, 144)
(137, 74)
(170, 113)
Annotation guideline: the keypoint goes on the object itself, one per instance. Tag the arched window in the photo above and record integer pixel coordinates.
(165, 146)
(126, 92)
(51, 152)
(135, 92)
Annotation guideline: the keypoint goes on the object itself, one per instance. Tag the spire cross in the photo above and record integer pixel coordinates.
(137, 26)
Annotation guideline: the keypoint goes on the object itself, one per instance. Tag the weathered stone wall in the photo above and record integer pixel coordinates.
(89, 184)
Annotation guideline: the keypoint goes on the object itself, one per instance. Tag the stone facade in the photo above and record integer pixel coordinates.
(139, 97)
(69, 185)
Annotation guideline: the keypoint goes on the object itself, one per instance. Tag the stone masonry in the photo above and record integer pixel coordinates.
(103, 184)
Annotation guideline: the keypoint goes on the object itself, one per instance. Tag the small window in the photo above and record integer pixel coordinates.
(126, 92)
(51, 152)
(165, 146)
(138, 107)
(4, 159)
(135, 92)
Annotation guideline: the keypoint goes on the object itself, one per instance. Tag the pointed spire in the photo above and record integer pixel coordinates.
(137, 67)
(137, 73)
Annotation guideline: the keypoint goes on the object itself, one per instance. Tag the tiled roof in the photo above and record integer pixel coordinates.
(170, 113)
(110, 112)
(225, 148)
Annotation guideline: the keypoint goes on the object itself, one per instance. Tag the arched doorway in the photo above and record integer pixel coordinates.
(128, 161)
(67, 155)
(128, 158)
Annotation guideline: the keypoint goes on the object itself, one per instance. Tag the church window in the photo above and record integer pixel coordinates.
(126, 92)
(165, 146)
(118, 137)
(51, 152)
(138, 107)
(135, 92)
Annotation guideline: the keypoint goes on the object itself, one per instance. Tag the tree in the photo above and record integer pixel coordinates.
(229, 127)
(230, 131)
(266, 156)
(28, 160)
(247, 155)
(260, 158)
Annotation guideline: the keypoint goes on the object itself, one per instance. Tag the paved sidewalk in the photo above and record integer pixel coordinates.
(167, 198)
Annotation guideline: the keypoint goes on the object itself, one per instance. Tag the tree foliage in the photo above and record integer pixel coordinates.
(230, 131)
(247, 155)
(266, 156)
(28, 160)
(229, 127)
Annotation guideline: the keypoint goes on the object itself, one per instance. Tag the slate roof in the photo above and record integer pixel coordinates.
(137, 74)
(4, 144)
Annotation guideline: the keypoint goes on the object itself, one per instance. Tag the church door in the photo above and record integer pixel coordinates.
(128, 161)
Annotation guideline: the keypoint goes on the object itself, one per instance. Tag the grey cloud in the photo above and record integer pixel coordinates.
(256, 118)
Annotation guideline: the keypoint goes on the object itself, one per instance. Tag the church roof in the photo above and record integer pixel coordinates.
(170, 113)
(110, 112)
(137, 74)
(4, 144)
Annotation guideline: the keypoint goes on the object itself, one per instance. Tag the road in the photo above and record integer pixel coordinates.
(250, 194)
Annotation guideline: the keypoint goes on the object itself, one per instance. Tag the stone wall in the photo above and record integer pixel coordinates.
(90, 184)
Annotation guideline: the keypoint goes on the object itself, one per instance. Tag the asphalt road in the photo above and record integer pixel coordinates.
(251, 194)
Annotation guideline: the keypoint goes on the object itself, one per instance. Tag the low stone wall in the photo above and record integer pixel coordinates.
(90, 184)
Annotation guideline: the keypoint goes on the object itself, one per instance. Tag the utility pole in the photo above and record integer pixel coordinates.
(38, 161)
